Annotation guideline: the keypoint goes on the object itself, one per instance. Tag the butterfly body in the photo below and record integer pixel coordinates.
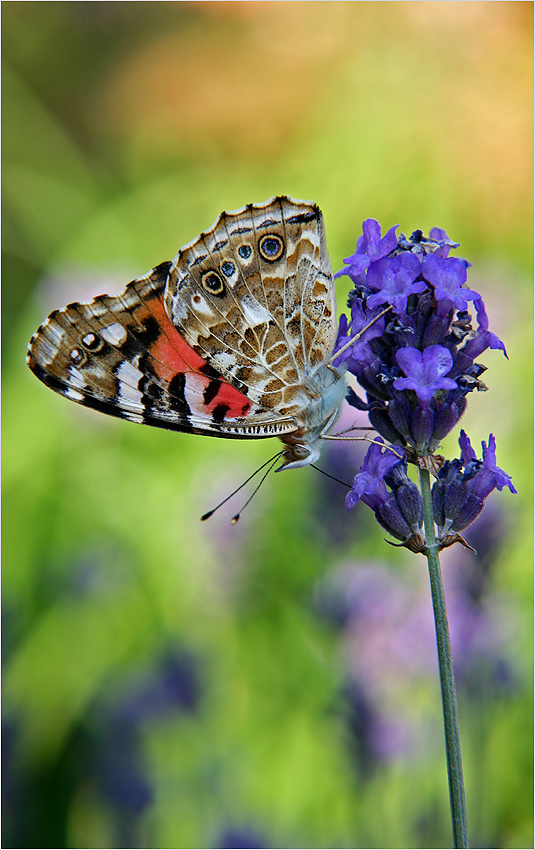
(232, 338)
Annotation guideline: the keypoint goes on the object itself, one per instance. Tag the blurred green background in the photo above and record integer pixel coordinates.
(172, 684)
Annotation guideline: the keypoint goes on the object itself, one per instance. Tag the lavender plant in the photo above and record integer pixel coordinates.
(411, 342)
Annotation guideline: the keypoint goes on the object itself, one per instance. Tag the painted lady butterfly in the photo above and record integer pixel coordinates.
(233, 338)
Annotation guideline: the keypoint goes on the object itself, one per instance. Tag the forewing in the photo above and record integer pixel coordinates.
(121, 355)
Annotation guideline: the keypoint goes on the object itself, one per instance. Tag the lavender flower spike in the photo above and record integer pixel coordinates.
(417, 366)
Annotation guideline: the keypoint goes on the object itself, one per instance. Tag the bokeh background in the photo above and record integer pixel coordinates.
(169, 683)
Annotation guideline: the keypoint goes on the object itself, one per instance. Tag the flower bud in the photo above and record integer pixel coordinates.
(422, 422)
(469, 511)
(446, 417)
(380, 420)
(455, 496)
(390, 517)
(410, 502)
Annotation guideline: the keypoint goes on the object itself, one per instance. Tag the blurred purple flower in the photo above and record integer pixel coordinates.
(120, 769)
(387, 644)
(374, 737)
(240, 838)
(172, 685)
(121, 772)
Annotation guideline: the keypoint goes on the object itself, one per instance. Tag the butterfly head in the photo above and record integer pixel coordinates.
(299, 454)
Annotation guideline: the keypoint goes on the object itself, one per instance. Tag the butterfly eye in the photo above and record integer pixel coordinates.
(299, 452)
(212, 282)
(227, 268)
(271, 247)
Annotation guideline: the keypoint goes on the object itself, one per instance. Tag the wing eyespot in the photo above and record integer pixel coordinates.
(91, 342)
(228, 268)
(77, 356)
(213, 283)
(271, 247)
(245, 251)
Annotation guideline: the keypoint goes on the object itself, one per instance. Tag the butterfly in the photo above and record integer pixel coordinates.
(232, 338)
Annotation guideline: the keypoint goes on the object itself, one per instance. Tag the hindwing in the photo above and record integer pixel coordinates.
(254, 295)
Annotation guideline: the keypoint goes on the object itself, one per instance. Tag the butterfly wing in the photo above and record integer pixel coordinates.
(255, 297)
(121, 355)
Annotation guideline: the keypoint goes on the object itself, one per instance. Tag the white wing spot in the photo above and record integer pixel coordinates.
(253, 311)
(129, 377)
(76, 377)
(134, 417)
(114, 334)
(74, 394)
(202, 307)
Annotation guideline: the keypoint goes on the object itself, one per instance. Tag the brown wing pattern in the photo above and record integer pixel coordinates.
(121, 355)
(254, 295)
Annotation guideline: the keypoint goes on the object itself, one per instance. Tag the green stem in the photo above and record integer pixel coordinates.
(447, 679)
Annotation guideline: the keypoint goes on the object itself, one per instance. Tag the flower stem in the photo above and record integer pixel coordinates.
(447, 679)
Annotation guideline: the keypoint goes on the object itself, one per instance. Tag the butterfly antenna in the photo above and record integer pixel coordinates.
(272, 461)
(330, 476)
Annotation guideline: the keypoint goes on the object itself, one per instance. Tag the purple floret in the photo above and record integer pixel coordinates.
(370, 248)
(393, 280)
(447, 277)
(425, 371)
